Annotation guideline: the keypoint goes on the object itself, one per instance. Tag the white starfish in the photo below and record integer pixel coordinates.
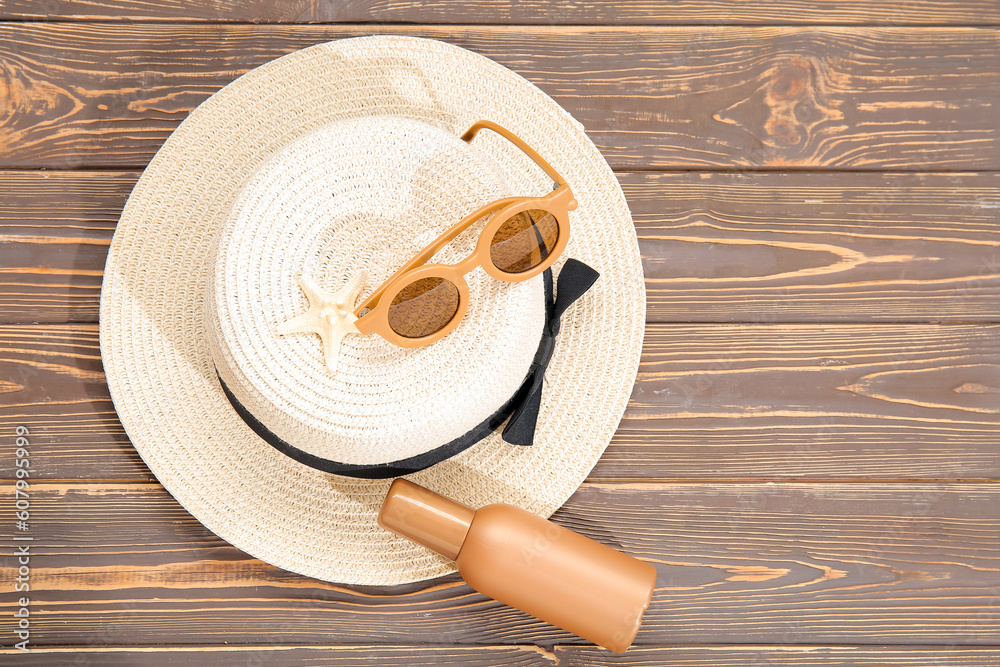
(329, 315)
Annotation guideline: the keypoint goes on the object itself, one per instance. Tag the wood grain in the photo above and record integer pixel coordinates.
(772, 247)
(333, 655)
(283, 656)
(103, 95)
(737, 563)
(55, 229)
(785, 656)
(564, 12)
(812, 400)
(753, 247)
(710, 402)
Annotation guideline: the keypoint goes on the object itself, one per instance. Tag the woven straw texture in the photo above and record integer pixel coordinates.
(329, 205)
(155, 338)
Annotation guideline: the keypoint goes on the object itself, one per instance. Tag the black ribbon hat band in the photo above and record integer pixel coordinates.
(523, 408)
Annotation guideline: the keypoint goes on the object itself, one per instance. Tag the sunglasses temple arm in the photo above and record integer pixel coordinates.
(424, 255)
(514, 139)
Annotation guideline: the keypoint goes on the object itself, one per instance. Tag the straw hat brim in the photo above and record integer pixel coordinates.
(153, 337)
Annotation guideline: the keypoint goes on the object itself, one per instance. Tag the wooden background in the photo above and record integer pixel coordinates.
(812, 449)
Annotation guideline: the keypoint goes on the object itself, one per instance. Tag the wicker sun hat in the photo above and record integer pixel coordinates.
(302, 186)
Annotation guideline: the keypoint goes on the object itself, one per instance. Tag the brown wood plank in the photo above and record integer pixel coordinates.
(603, 12)
(738, 563)
(55, 229)
(103, 95)
(812, 401)
(786, 656)
(771, 247)
(52, 383)
(283, 656)
(711, 402)
(756, 247)
(516, 656)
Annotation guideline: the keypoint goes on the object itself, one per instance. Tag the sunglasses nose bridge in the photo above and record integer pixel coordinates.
(467, 264)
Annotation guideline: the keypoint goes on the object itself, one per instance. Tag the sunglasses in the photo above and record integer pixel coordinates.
(422, 303)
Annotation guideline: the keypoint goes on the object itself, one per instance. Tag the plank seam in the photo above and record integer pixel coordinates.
(707, 24)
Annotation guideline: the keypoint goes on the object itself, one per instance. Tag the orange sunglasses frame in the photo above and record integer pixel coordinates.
(558, 202)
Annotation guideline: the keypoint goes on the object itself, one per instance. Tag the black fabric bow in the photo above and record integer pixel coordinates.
(574, 281)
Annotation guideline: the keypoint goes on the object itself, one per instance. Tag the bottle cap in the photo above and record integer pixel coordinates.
(426, 518)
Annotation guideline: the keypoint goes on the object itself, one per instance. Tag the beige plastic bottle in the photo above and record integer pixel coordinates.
(529, 563)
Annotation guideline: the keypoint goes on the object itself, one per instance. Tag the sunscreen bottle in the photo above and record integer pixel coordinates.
(530, 563)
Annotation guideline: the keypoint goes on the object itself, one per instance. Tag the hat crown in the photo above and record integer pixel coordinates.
(348, 203)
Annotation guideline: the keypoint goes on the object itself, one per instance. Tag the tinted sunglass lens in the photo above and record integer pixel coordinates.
(524, 240)
(423, 307)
